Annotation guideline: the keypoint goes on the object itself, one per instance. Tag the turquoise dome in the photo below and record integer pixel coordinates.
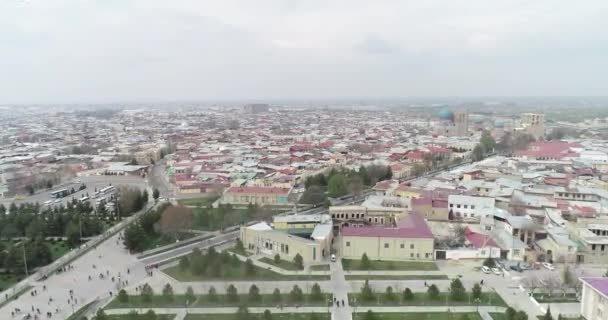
(446, 114)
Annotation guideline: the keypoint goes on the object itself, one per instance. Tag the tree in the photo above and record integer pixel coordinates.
(190, 297)
(477, 291)
(149, 315)
(548, 315)
(100, 315)
(315, 292)
(408, 295)
(254, 293)
(267, 315)
(277, 258)
(231, 294)
(365, 263)
(123, 297)
(487, 141)
(568, 278)
(313, 195)
(521, 315)
(135, 237)
(184, 263)
(296, 294)
(355, 185)
(72, 233)
(489, 262)
(433, 292)
(337, 186)
(168, 292)
(457, 290)
(478, 152)
(239, 247)
(155, 194)
(212, 294)
(242, 313)
(276, 296)
(147, 293)
(175, 218)
(510, 313)
(299, 262)
(367, 294)
(390, 295)
(249, 267)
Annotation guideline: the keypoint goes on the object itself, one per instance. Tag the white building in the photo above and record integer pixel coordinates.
(594, 299)
(469, 208)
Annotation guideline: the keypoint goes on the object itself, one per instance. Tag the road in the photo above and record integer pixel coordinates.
(158, 179)
(178, 252)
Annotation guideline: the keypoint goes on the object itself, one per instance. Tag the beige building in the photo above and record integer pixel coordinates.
(410, 239)
(594, 298)
(262, 239)
(534, 124)
(375, 210)
(256, 195)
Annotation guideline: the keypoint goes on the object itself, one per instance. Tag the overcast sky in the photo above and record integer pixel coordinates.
(149, 50)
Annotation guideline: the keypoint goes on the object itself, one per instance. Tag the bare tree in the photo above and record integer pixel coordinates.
(531, 282)
(550, 284)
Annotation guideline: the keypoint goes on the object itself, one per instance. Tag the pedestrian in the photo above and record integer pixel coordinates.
(425, 283)
(343, 302)
(482, 282)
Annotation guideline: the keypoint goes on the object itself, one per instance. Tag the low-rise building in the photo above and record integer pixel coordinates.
(410, 239)
(469, 208)
(256, 195)
(594, 298)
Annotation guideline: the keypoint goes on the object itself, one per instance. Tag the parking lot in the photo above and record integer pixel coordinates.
(91, 182)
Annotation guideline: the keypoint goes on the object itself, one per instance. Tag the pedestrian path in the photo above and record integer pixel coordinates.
(341, 309)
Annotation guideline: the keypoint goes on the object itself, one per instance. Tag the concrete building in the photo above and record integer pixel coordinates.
(410, 239)
(469, 208)
(534, 124)
(261, 238)
(256, 195)
(461, 124)
(594, 298)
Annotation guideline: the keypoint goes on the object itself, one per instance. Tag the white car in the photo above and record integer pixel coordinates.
(496, 271)
(333, 258)
(548, 266)
(485, 270)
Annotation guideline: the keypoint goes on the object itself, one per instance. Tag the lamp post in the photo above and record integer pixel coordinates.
(25, 260)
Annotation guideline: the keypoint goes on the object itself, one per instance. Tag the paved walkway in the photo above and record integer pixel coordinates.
(410, 309)
(339, 287)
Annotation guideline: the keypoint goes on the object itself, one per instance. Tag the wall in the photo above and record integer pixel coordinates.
(375, 248)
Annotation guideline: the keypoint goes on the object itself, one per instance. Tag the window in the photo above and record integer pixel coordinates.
(458, 206)
(451, 205)
(417, 255)
(592, 247)
(472, 207)
(286, 249)
(348, 243)
(412, 246)
(466, 206)
(403, 246)
(515, 252)
(411, 255)
(386, 246)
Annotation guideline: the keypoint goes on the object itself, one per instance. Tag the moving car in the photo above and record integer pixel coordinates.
(496, 271)
(485, 270)
(516, 267)
(548, 266)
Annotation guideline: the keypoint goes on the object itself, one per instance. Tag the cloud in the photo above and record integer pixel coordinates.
(146, 50)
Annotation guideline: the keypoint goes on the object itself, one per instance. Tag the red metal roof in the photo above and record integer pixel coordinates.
(413, 226)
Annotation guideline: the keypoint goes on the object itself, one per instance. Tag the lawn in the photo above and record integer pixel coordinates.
(8, 280)
(555, 298)
(422, 299)
(231, 272)
(58, 249)
(284, 264)
(243, 253)
(179, 301)
(355, 264)
(397, 277)
(420, 316)
(320, 267)
(130, 317)
(275, 316)
(497, 316)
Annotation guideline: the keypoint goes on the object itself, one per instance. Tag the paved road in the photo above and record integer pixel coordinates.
(178, 252)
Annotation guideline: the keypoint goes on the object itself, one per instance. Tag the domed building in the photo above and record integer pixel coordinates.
(452, 124)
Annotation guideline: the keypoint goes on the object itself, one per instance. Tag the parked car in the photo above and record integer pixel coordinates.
(333, 258)
(516, 267)
(485, 270)
(496, 271)
(548, 266)
(526, 266)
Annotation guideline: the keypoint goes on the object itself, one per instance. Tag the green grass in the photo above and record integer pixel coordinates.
(422, 299)
(275, 316)
(421, 316)
(355, 264)
(283, 264)
(497, 316)
(563, 318)
(397, 277)
(231, 272)
(179, 301)
(58, 249)
(129, 317)
(555, 298)
(320, 267)
(243, 253)
(8, 280)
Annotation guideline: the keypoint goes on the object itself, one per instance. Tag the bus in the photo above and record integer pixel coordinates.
(107, 190)
(83, 199)
(59, 193)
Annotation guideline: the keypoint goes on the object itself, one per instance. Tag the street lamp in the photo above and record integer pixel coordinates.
(477, 303)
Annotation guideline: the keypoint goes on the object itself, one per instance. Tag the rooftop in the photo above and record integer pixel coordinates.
(413, 226)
